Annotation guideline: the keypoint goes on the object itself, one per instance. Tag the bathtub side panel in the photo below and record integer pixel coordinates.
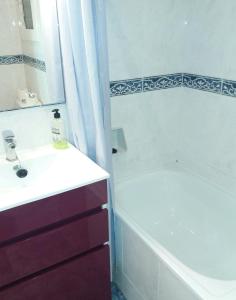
(139, 264)
(172, 287)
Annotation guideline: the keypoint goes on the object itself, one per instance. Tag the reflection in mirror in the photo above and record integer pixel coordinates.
(30, 56)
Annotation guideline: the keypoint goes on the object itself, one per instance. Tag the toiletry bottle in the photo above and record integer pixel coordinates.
(58, 132)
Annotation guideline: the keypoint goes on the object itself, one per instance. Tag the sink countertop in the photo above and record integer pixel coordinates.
(50, 172)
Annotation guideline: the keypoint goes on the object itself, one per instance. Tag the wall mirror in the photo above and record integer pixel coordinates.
(30, 57)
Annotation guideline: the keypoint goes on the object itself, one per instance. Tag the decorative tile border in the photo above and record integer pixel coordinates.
(229, 88)
(11, 59)
(126, 87)
(145, 84)
(35, 63)
(160, 82)
(204, 83)
(23, 59)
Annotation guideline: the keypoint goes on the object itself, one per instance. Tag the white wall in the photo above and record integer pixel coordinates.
(13, 41)
(37, 82)
(145, 37)
(148, 133)
(204, 131)
(36, 79)
(10, 42)
(12, 78)
(142, 42)
(210, 44)
(31, 126)
(155, 37)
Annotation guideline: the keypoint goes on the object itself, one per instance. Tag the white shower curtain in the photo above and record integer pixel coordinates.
(82, 26)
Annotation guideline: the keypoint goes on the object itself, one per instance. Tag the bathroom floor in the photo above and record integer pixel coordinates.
(116, 293)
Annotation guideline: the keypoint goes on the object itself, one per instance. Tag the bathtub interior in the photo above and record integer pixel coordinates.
(186, 215)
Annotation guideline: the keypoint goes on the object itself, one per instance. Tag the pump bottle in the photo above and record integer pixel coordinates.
(58, 132)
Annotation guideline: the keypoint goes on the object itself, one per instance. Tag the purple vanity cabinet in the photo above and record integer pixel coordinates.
(56, 248)
(24, 219)
(84, 278)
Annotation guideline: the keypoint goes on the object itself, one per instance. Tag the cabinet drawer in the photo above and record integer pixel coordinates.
(85, 278)
(39, 214)
(44, 250)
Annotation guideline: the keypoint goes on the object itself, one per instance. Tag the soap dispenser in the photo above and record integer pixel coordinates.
(58, 132)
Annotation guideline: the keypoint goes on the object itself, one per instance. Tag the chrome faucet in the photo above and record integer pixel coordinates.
(10, 145)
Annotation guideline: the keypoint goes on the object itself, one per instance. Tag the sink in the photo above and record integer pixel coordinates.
(37, 167)
(50, 171)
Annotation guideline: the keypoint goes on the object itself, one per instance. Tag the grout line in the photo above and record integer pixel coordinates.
(221, 89)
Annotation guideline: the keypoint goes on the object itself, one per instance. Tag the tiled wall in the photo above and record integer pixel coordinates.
(156, 37)
(145, 37)
(193, 40)
(31, 75)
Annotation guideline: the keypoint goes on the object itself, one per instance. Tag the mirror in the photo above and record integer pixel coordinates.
(31, 71)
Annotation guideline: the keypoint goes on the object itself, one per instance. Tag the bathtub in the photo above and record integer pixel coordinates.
(175, 238)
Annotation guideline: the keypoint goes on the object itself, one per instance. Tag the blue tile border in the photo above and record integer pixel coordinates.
(229, 88)
(126, 87)
(34, 62)
(160, 82)
(116, 292)
(145, 84)
(204, 83)
(11, 59)
(23, 59)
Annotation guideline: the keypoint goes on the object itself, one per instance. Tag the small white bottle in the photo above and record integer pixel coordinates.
(58, 132)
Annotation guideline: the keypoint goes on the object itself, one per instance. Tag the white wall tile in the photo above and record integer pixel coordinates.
(210, 45)
(145, 37)
(36, 81)
(157, 125)
(159, 37)
(10, 42)
(12, 78)
(148, 132)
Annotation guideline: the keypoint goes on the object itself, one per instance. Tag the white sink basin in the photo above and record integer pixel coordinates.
(36, 168)
(50, 171)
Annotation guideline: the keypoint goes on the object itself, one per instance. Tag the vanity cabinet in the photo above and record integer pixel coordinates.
(56, 248)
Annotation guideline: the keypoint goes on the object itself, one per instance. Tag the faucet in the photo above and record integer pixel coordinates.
(10, 145)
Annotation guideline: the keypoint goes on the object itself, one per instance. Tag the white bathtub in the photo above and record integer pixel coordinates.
(176, 238)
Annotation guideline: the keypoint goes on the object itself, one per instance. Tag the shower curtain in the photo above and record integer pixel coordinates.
(82, 25)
